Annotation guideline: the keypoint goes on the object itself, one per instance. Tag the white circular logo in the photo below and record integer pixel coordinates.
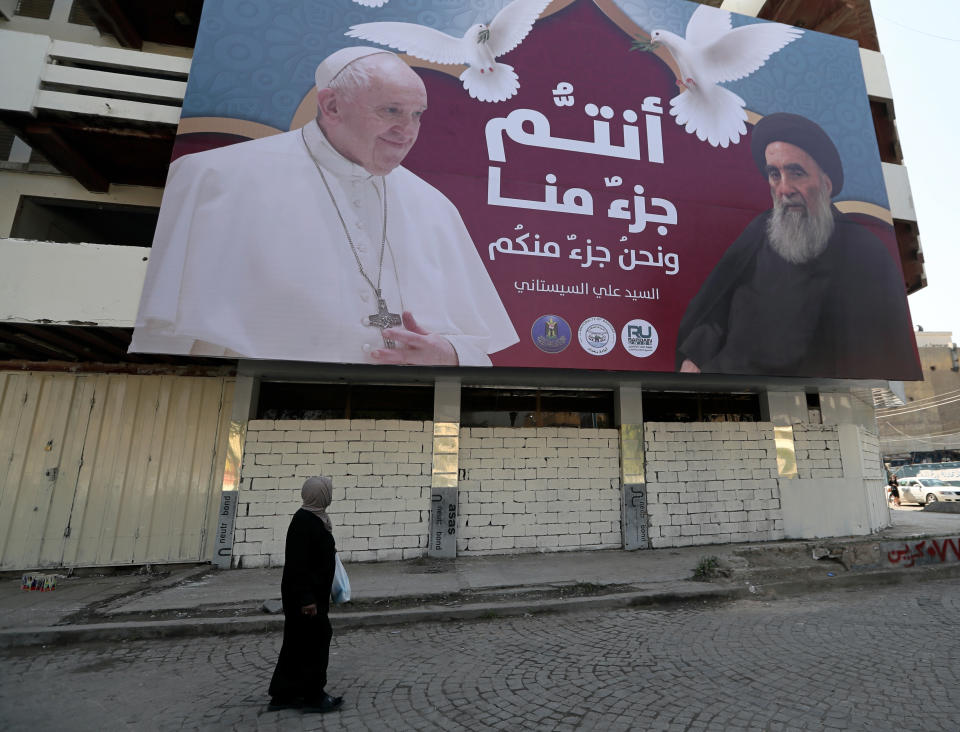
(640, 338)
(597, 336)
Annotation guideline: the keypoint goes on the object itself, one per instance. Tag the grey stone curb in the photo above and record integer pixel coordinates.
(192, 627)
(674, 593)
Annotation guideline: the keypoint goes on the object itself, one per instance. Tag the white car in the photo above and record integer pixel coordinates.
(927, 490)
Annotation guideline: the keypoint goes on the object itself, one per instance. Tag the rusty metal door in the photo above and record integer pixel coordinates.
(107, 469)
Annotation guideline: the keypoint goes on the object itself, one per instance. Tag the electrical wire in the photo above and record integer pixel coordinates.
(935, 405)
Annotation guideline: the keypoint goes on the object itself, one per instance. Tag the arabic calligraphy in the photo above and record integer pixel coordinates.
(620, 209)
(532, 128)
(580, 201)
(581, 288)
(575, 200)
(670, 260)
(563, 94)
(584, 288)
(586, 255)
(518, 245)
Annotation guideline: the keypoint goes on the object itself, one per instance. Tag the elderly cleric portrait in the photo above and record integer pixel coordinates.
(317, 245)
(804, 290)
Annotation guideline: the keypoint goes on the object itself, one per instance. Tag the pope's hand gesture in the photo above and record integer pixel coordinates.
(414, 345)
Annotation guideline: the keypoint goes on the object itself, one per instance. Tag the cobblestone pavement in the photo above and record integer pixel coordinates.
(869, 659)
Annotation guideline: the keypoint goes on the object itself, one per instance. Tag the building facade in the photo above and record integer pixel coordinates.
(926, 427)
(113, 458)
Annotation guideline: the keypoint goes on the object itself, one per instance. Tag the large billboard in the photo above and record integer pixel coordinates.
(637, 185)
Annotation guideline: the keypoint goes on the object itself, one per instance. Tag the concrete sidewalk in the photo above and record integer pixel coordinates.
(198, 600)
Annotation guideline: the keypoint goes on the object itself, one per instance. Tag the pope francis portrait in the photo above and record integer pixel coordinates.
(317, 245)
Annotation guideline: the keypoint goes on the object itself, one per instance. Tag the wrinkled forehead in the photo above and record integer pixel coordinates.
(780, 154)
(392, 81)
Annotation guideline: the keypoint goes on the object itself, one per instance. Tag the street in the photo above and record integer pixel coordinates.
(867, 659)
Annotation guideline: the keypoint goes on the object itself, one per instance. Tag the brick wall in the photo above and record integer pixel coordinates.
(545, 489)
(381, 478)
(538, 489)
(818, 451)
(711, 483)
(872, 457)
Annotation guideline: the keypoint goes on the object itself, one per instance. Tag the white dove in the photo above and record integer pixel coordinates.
(713, 52)
(485, 79)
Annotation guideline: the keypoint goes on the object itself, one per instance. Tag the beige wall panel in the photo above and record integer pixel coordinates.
(170, 455)
(85, 527)
(13, 393)
(164, 495)
(140, 409)
(187, 473)
(37, 450)
(71, 461)
(140, 462)
(105, 470)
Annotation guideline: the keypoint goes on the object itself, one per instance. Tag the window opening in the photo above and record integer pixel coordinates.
(671, 406)
(297, 400)
(34, 9)
(495, 407)
(51, 219)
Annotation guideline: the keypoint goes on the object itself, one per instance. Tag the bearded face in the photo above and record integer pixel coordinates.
(802, 220)
(800, 233)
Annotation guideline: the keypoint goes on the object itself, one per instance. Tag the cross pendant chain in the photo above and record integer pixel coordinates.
(383, 319)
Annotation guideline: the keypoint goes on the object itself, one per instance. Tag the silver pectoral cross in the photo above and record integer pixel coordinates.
(383, 319)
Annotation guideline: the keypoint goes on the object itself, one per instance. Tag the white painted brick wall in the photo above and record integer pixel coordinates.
(381, 486)
(873, 467)
(538, 489)
(712, 483)
(818, 451)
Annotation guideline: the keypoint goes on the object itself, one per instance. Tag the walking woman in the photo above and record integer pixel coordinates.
(300, 677)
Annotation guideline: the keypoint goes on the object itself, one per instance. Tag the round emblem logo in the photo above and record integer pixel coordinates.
(550, 333)
(639, 337)
(597, 336)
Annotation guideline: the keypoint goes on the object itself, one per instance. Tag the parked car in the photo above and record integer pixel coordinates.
(927, 490)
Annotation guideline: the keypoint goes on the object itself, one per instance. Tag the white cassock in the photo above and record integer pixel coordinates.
(250, 259)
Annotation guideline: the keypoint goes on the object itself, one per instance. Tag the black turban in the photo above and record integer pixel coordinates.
(799, 131)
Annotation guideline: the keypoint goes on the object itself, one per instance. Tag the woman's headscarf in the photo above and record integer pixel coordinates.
(317, 492)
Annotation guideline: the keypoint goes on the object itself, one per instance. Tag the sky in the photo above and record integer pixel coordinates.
(920, 42)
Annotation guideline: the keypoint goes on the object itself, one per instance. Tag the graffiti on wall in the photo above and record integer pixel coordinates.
(926, 552)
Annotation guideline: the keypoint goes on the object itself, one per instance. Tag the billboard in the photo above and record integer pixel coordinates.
(638, 185)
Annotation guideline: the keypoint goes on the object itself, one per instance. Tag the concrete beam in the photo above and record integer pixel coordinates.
(69, 284)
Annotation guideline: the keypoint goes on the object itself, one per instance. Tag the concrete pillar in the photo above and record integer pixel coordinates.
(7, 8)
(442, 538)
(846, 407)
(27, 53)
(867, 486)
(60, 14)
(633, 514)
(20, 151)
(446, 400)
(246, 391)
(783, 408)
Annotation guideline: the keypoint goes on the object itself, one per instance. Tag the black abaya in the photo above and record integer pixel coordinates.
(307, 577)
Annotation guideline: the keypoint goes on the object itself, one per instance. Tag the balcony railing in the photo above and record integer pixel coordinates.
(46, 75)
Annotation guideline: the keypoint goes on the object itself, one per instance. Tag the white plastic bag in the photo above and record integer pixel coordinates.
(340, 591)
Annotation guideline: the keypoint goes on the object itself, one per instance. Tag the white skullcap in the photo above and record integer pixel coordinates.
(332, 65)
